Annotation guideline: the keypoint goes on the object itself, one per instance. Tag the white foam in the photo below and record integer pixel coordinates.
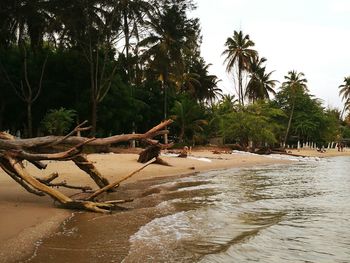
(202, 159)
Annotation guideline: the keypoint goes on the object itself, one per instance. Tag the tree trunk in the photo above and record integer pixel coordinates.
(289, 124)
(29, 120)
(127, 44)
(240, 90)
(93, 116)
(182, 132)
(14, 151)
(2, 110)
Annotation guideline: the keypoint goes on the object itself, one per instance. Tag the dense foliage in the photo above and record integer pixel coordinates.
(125, 65)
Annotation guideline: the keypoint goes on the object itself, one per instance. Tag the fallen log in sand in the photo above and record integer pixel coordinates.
(34, 150)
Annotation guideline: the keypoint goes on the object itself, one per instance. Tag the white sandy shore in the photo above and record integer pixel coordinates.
(27, 218)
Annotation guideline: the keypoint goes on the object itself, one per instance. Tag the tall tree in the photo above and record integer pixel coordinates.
(238, 54)
(25, 21)
(206, 90)
(295, 83)
(132, 14)
(260, 84)
(345, 92)
(98, 48)
(27, 81)
(170, 33)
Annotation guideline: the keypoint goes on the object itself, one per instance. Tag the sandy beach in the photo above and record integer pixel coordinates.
(27, 218)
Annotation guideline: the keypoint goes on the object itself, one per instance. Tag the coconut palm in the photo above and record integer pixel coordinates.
(345, 88)
(188, 117)
(347, 104)
(205, 89)
(210, 88)
(163, 48)
(345, 92)
(25, 20)
(238, 56)
(260, 84)
(131, 13)
(295, 82)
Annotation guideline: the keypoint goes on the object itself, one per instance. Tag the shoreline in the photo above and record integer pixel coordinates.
(30, 218)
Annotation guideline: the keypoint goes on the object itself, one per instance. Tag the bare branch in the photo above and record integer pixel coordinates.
(116, 183)
(20, 144)
(26, 74)
(41, 79)
(66, 155)
(12, 173)
(75, 130)
(48, 179)
(64, 184)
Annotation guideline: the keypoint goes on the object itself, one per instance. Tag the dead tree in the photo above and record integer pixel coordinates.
(14, 151)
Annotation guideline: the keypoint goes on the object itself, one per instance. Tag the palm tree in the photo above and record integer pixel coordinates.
(203, 86)
(210, 86)
(345, 88)
(164, 47)
(345, 92)
(188, 116)
(26, 19)
(132, 13)
(295, 82)
(347, 104)
(238, 56)
(260, 83)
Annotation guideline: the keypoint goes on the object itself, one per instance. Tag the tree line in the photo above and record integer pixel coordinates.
(127, 64)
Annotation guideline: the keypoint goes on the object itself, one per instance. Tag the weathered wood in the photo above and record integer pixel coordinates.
(84, 164)
(184, 152)
(77, 129)
(48, 178)
(116, 183)
(38, 142)
(66, 155)
(24, 175)
(38, 164)
(149, 153)
(161, 162)
(64, 184)
(14, 151)
(12, 173)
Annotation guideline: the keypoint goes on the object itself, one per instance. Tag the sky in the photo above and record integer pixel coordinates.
(308, 36)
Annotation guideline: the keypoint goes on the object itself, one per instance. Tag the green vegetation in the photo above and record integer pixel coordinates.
(58, 122)
(125, 65)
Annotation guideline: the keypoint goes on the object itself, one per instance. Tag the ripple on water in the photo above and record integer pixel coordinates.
(293, 213)
(289, 213)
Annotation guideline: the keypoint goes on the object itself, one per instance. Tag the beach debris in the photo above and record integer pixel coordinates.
(14, 152)
(183, 153)
(153, 151)
(116, 183)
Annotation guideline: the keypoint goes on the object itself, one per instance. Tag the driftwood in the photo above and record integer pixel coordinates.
(153, 152)
(14, 151)
(184, 152)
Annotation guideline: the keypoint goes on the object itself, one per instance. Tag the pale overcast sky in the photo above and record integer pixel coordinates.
(304, 35)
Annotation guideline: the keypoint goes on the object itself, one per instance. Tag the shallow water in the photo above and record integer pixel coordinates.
(290, 213)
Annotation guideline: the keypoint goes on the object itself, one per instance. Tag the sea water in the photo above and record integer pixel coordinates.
(294, 213)
(298, 212)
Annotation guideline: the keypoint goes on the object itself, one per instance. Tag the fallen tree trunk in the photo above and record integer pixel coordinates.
(14, 151)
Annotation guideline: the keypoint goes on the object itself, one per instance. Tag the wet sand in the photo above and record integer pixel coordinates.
(315, 153)
(27, 218)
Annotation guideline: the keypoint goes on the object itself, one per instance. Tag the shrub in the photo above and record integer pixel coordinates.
(58, 122)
